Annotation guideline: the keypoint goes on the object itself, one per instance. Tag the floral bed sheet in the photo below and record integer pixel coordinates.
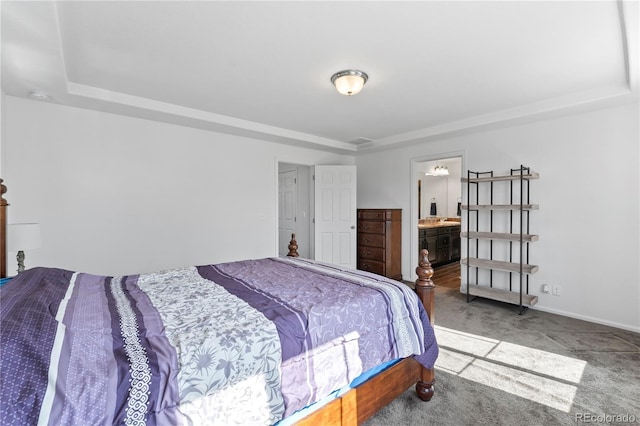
(245, 342)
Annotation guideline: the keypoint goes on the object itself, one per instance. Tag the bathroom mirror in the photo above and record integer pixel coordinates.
(439, 188)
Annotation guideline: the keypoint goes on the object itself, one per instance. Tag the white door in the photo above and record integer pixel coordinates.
(287, 205)
(335, 215)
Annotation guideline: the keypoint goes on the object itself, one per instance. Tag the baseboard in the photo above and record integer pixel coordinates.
(587, 318)
(463, 289)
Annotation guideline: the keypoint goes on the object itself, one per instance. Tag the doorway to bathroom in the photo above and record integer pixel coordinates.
(436, 197)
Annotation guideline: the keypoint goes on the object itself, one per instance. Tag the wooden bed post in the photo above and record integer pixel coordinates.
(3, 231)
(426, 293)
(293, 247)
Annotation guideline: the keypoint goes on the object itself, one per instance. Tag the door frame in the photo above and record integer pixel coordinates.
(276, 225)
(288, 178)
(413, 222)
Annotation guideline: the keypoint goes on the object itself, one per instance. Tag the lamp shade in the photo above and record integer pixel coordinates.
(349, 82)
(23, 236)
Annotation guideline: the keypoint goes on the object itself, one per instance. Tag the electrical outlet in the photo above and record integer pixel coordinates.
(556, 290)
(545, 288)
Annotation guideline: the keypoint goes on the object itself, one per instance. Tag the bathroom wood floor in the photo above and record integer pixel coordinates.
(447, 275)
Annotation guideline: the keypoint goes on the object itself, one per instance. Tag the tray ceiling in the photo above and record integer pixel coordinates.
(262, 69)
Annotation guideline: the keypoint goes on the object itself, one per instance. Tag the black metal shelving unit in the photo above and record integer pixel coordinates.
(518, 237)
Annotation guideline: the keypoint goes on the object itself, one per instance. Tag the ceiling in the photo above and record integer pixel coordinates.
(262, 69)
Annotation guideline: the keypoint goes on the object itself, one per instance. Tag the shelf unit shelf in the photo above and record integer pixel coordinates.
(500, 207)
(526, 176)
(499, 265)
(518, 239)
(500, 236)
(503, 295)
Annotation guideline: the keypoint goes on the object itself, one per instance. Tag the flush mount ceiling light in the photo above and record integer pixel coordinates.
(349, 82)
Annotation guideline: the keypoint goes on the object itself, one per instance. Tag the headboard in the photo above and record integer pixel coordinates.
(3, 231)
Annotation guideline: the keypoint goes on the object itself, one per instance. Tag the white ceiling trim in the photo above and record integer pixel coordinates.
(597, 98)
(160, 110)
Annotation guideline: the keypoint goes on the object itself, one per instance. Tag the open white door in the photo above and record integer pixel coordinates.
(335, 215)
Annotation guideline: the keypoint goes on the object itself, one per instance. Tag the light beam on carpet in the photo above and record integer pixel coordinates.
(541, 376)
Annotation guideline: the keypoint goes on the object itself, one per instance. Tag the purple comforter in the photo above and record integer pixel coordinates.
(157, 348)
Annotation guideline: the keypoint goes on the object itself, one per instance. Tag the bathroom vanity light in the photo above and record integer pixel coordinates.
(441, 171)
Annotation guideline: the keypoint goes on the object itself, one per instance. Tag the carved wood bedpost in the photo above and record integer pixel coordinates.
(293, 247)
(426, 293)
(3, 231)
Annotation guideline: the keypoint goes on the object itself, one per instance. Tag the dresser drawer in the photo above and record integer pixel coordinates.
(372, 253)
(379, 242)
(372, 214)
(370, 240)
(371, 266)
(371, 227)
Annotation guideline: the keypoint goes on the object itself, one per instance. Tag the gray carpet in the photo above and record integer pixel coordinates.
(499, 368)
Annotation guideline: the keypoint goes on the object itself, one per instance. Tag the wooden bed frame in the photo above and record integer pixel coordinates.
(362, 402)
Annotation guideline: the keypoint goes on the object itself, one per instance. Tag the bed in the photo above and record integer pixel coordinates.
(79, 348)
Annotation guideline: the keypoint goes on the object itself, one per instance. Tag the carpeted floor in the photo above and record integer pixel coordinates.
(500, 368)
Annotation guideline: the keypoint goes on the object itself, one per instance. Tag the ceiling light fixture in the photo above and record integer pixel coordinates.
(349, 82)
(441, 171)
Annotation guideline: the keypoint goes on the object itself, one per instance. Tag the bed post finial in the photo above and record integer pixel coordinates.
(3, 230)
(425, 288)
(3, 189)
(424, 270)
(293, 247)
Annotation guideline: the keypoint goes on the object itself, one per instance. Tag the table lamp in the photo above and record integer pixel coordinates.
(23, 236)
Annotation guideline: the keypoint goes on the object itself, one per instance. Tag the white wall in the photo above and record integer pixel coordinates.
(118, 195)
(435, 189)
(588, 195)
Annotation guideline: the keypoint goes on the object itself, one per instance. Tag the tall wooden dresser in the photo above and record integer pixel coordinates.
(379, 242)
